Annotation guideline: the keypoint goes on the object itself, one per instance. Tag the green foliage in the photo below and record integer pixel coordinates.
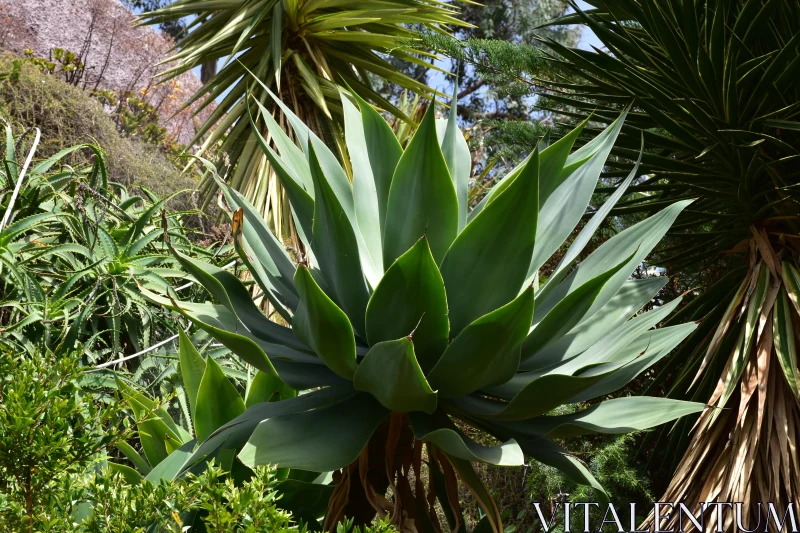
(733, 142)
(74, 252)
(69, 116)
(358, 316)
(209, 501)
(138, 119)
(55, 438)
(610, 462)
(51, 429)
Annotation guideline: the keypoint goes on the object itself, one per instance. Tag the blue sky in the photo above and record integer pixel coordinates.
(588, 39)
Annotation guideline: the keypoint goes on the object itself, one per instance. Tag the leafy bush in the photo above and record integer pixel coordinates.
(210, 498)
(55, 437)
(610, 461)
(50, 429)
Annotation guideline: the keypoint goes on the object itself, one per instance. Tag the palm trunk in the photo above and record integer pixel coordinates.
(744, 447)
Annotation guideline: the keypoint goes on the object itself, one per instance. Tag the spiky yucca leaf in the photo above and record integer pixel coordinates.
(307, 51)
(401, 334)
(715, 92)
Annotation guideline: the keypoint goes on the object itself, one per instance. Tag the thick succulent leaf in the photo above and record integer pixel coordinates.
(300, 497)
(504, 182)
(131, 476)
(553, 165)
(294, 161)
(635, 242)
(365, 193)
(410, 299)
(256, 269)
(302, 202)
(603, 350)
(588, 231)
(544, 393)
(488, 262)
(324, 327)
(391, 373)
(607, 348)
(170, 467)
(307, 375)
(383, 152)
(133, 456)
(273, 338)
(479, 491)
(192, 369)
(267, 388)
(620, 415)
(486, 352)
(636, 357)
(783, 333)
(570, 311)
(320, 440)
(643, 353)
(440, 430)
(632, 296)
(552, 170)
(155, 426)
(459, 161)
(235, 433)
(422, 198)
(229, 291)
(245, 347)
(563, 209)
(335, 245)
(218, 401)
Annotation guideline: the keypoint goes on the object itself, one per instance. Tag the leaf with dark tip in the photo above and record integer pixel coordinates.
(486, 352)
(411, 299)
(487, 264)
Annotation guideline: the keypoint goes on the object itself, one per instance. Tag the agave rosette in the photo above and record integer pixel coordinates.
(411, 311)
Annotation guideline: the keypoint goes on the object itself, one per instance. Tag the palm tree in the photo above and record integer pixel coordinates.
(306, 51)
(714, 88)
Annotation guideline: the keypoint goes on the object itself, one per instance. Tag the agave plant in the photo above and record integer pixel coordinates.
(212, 400)
(715, 92)
(412, 316)
(307, 50)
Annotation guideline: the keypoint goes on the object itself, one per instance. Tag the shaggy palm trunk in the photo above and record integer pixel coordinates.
(744, 447)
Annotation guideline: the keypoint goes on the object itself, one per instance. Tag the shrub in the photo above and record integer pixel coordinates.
(50, 430)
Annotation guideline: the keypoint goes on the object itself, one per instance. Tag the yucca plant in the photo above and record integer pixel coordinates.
(715, 92)
(412, 315)
(307, 50)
